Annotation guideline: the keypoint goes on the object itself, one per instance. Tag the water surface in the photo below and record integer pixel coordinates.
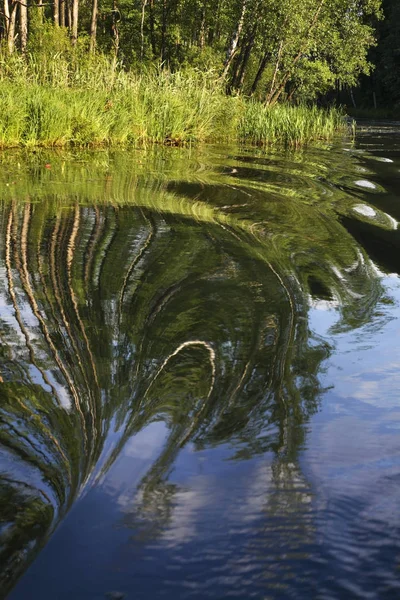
(200, 373)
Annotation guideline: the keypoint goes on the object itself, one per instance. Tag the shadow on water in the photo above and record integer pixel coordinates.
(166, 294)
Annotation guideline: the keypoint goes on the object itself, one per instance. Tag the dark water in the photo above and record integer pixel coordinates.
(199, 367)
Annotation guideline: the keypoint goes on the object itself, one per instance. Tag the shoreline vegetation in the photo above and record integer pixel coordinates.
(100, 104)
(179, 72)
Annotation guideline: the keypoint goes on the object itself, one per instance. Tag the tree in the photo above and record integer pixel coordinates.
(274, 50)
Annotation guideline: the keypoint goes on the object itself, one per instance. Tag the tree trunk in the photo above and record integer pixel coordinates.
(74, 24)
(93, 26)
(248, 46)
(40, 11)
(260, 72)
(68, 14)
(163, 30)
(11, 31)
(292, 93)
(152, 36)
(202, 37)
(56, 12)
(6, 17)
(62, 13)
(115, 32)
(278, 60)
(246, 56)
(236, 64)
(244, 64)
(218, 26)
(144, 4)
(10, 21)
(235, 40)
(352, 98)
(23, 25)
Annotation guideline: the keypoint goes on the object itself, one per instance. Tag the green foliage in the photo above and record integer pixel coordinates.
(311, 79)
(303, 48)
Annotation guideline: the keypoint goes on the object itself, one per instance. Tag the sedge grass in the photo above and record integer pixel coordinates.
(103, 105)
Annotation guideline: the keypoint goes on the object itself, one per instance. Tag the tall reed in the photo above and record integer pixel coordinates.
(65, 101)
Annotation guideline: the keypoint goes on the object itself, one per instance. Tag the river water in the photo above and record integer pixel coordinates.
(200, 372)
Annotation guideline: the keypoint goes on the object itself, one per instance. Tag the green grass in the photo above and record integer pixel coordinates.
(58, 105)
(292, 125)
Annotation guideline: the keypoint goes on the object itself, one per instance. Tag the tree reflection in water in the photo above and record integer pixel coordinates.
(162, 308)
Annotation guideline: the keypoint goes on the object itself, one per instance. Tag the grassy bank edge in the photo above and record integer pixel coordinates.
(172, 109)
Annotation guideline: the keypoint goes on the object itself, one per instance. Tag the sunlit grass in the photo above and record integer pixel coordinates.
(291, 125)
(54, 106)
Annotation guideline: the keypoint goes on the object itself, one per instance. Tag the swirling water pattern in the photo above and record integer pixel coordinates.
(199, 373)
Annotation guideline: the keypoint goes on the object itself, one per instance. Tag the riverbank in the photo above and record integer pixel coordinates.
(160, 107)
